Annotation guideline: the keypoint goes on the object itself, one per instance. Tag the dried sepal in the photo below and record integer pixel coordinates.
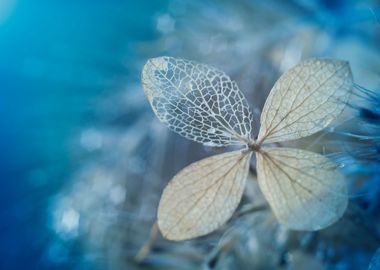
(305, 100)
(197, 101)
(203, 196)
(305, 190)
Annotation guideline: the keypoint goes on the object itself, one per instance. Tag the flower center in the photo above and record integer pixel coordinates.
(252, 145)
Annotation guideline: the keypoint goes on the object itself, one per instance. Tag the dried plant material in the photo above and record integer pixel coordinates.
(305, 190)
(197, 101)
(305, 100)
(147, 247)
(203, 196)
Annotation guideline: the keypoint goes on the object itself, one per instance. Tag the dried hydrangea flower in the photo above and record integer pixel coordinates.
(304, 189)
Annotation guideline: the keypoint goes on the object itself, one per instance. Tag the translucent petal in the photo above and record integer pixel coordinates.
(305, 100)
(304, 189)
(197, 101)
(203, 196)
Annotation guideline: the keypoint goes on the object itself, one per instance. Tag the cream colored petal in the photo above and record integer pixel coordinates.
(197, 101)
(305, 100)
(304, 189)
(203, 196)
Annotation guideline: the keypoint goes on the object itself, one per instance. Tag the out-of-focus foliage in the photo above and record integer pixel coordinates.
(97, 184)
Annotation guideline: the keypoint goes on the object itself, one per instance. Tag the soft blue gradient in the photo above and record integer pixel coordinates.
(56, 59)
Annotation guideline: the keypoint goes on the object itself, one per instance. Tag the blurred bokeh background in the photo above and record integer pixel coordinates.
(84, 160)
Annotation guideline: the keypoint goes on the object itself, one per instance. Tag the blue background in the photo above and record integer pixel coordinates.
(56, 59)
(59, 60)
